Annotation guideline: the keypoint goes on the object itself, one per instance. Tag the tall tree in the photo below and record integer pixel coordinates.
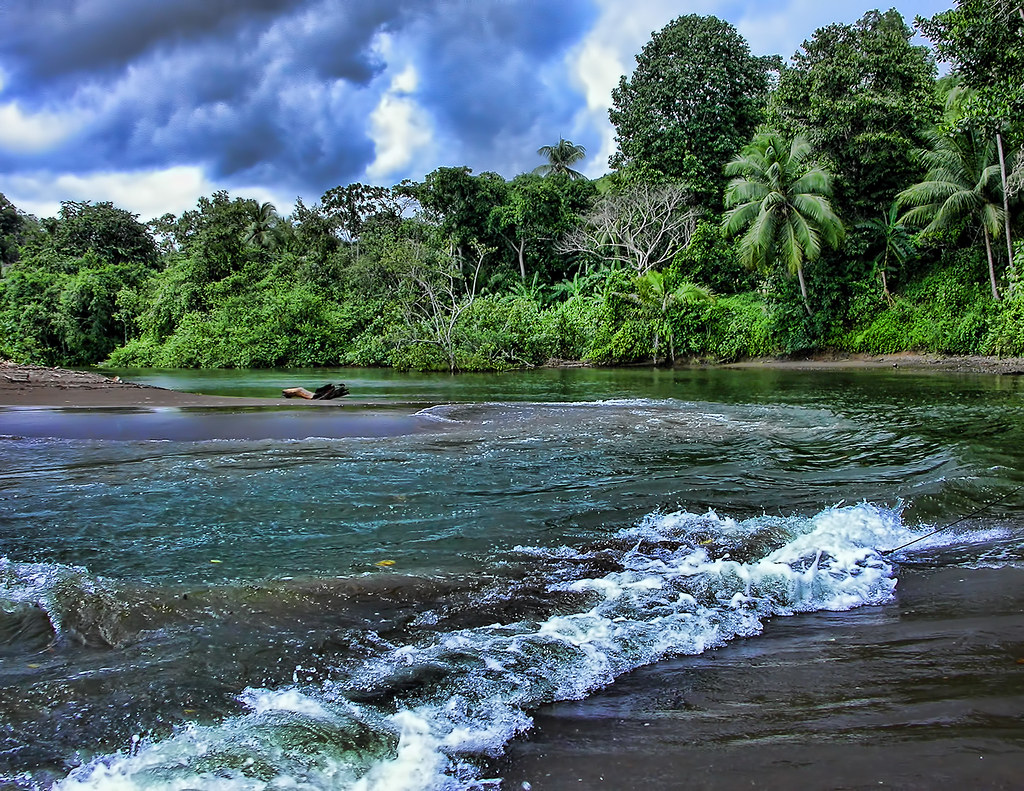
(984, 42)
(262, 228)
(458, 203)
(779, 200)
(641, 228)
(115, 235)
(692, 102)
(962, 186)
(863, 95)
(351, 207)
(560, 159)
(536, 213)
(212, 236)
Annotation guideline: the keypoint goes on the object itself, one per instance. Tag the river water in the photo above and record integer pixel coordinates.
(553, 579)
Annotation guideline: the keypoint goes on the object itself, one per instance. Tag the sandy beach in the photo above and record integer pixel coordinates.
(965, 364)
(34, 385)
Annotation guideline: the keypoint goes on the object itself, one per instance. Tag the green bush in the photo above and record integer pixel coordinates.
(1005, 336)
(948, 310)
(739, 326)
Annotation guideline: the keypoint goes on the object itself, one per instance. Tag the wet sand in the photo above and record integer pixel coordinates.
(38, 386)
(966, 364)
(923, 693)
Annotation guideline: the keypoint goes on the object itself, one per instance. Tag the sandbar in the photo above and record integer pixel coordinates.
(40, 386)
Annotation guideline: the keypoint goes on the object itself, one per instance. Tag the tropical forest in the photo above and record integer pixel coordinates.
(861, 196)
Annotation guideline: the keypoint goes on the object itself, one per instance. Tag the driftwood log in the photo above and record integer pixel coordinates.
(323, 393)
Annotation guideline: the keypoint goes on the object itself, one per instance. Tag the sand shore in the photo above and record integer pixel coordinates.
(922, 693)
(966, 364)
(34, 385)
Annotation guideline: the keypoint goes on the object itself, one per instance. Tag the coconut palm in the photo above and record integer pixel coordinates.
(962, 185)
(778, 200)
(892, 241)
(656, 299)
(262, 228)
(561, 158)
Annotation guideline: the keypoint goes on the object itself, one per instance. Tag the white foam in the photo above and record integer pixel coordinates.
(285, 700)
(677, 597)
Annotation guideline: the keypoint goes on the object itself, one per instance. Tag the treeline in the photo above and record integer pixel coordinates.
(845, 200)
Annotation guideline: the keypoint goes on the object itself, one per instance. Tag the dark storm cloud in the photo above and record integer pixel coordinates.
(280, 92)
(77, 38)
(66, 37)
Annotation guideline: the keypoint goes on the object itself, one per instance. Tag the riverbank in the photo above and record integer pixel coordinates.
(919, 693)
(34, 385)
(966, 364)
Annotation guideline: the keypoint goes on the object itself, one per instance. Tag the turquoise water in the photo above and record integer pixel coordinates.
(379, 596)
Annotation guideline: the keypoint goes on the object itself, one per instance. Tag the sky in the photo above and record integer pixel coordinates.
(152, 104)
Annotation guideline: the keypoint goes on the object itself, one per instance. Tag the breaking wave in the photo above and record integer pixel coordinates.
(431, 710)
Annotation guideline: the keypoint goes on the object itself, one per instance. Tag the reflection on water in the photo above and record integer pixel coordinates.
(195, 424)
(381, 596)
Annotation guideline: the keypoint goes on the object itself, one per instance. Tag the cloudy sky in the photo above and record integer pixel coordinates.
(152, 103)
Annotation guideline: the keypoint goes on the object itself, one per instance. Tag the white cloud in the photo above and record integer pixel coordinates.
(400, 128)
(146, 193)
(25, 133)
(781, 29)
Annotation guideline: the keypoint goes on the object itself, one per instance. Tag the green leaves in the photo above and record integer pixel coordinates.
(560, 159)
(692, 102)
(778, 200)
(984, 40)
(962, 186)
(862, 94)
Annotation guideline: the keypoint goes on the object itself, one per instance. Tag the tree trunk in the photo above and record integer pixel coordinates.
(885, 288)
(1006, 207)
(882, 270)
(991, 264)
(521, 252)
(803, 289)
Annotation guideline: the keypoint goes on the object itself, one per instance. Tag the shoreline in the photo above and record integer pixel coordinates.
(917, 693)
(43, 387)
(835, 361)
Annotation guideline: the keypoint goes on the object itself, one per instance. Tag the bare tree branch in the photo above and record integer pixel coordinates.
(443, 291)
(641, 229)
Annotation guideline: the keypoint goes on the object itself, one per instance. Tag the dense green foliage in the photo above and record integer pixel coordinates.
(859, 217)
(693, 100)
(863, 95)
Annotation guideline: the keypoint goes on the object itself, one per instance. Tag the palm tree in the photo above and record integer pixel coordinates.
(893, 241)
(262, 229)
(656, 300)
(962, 184)
(561, 158)
(778, 199)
